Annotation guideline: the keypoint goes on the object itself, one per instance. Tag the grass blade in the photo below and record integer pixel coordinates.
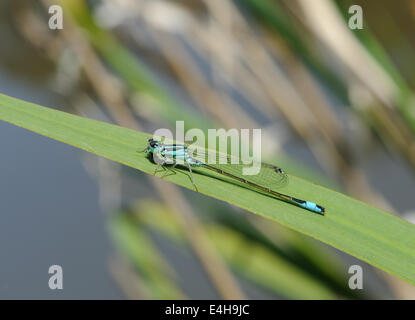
(370, 234)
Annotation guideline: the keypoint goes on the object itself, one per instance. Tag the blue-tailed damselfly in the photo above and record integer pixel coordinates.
(270, 176)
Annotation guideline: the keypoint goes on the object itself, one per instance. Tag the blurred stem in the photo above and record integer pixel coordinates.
(217, 270)
(199, 241)
(270, 12)
(191, 77)
(130, 282)
(334, 33)
(139, 80)
(315, 123)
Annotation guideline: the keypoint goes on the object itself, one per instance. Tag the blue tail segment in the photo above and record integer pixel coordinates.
(312, 207)
(309, 205)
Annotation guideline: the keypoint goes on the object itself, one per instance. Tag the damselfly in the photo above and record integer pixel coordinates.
(270, 177)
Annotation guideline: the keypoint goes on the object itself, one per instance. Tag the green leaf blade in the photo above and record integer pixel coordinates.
(367, 233)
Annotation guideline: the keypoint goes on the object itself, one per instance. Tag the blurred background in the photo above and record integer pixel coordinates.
(336, 106)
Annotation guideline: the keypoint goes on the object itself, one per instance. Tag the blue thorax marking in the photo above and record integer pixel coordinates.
(174, 152)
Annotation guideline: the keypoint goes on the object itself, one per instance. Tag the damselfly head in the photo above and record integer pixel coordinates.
(152, 145)
(279, 170)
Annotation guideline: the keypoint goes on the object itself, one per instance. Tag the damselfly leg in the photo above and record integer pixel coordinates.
(191, 176)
